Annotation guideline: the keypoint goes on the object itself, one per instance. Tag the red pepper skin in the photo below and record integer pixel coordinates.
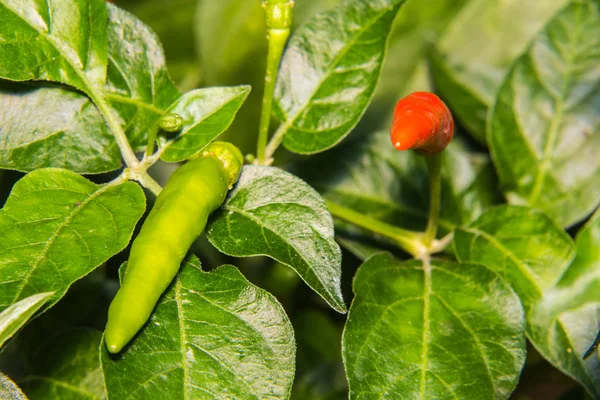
(422, 122)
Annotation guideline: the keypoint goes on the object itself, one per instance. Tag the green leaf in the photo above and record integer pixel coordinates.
(52, 126)
(565, 321)
(543, 131)
(477, 49)
(211, 333)
(8, 389)
(359, 249)
(174, 22)
(370, 176)
(522, 245)
(439, 331)
(206, 113)
(273, 213)
(405, 69)
(138, 85)
(56, 227)
(66, 367)
(14, 317)
(329, 73)
(54, 40)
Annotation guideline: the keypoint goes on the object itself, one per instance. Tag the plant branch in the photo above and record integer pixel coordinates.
(278, 15)
(121, 138)
(407, 240)
(434, 167)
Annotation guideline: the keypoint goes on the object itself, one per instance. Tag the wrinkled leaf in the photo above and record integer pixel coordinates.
(206, 113)
(523, 246)
(565, 321)
(17, 315)
(544, 132)
(54, 40)
(330, 71)
(477, 49)
(438, 331)
(368, 175)
(138, 85)
(52, 126)
(8, 389)
(211, 333)
(66, 367)
(56, 227)
(273, 213)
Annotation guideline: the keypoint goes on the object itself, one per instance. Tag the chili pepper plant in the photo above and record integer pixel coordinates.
(361, 254)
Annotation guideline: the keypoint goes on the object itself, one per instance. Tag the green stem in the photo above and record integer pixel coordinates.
(434, 167)
(149, 183)
(278, 19)
(409, 241)
(121, 138)
(151, 139)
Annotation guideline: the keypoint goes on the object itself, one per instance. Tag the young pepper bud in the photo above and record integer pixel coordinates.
(422, 122)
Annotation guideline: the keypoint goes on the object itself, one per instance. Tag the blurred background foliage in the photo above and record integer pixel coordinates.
(222, 43)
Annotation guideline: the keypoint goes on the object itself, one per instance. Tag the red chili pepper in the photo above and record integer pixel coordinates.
(422, 122)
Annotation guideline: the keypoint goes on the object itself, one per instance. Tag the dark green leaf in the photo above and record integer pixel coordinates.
(405, 68)
(206, 113)
(52, 126)
(54, 40)
(67, 367)
(212, 334)
(330, 71)
(8, 389)
(543, 132)
(174, 22)
(565, 321)
(138, 86)
(271, 212)
(56, 227)
(360, 249)
(478, 48)
(523, 246)
(370, 176)
(438, 331)
(17, 315)
(320, 372)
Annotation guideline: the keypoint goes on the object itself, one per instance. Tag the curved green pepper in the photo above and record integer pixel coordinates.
(177, 219)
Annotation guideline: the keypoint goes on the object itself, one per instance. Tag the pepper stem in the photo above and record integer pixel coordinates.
(434, 168)
(407, 240)
(278, 16)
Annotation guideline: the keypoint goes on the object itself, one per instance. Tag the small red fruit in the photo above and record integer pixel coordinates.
(422, 122)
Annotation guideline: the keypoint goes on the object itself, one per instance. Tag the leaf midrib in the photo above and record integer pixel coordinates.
(302, 257)
(55, 235)
(290, 122)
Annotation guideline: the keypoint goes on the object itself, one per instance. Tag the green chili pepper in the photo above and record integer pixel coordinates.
(177, 219)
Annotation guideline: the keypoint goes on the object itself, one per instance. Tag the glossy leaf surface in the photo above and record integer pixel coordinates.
(8, 389)
(55, 40)
(212, 333)
(273, 213)
(523, 246)
(206, 113)
(330, 71)
(138, 85)
(477, 49)
(544, 132)
(56, 227)
(443, 331)
(53, 126)
(564, 322)
(17, 315)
